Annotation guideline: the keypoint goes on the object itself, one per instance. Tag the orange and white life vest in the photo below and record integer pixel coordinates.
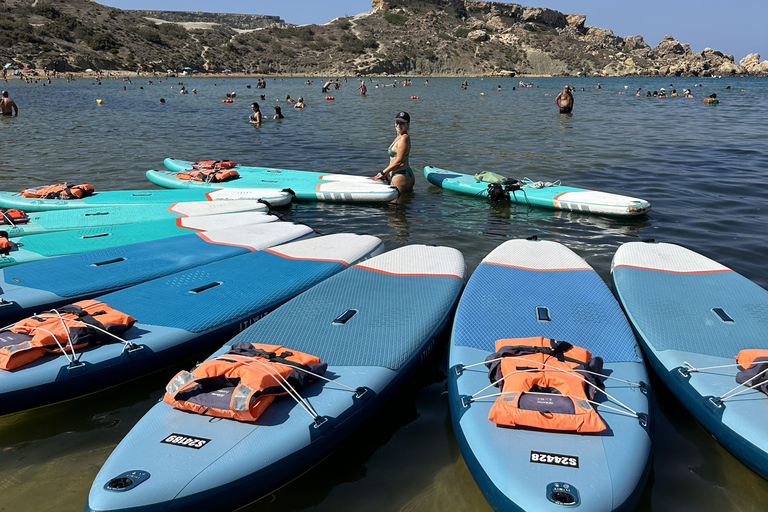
(753, 369)
(243, 382)
(74, 327)
(12, 216)
(213, 164)
(61, 191)
(208, 175)
(541, 387)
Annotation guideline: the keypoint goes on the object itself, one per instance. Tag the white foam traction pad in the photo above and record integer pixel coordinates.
(224, 220)
(536, 255)
(198, 208)
(344, 248)
(259, 236)
(419, 260)
(664, 257)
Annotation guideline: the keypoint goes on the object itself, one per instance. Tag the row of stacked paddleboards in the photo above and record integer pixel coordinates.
(226, 180)
(547, 387)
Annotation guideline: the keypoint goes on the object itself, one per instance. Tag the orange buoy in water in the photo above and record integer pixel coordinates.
(414, 97)
(330, 98)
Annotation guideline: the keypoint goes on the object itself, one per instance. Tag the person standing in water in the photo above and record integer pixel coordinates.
(564, 100)
(398, 172)
(363, 89)
(256, 116)
(7, 105)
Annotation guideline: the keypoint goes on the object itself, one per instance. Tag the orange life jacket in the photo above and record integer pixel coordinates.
(5, 244)
(208, 175)
(12, 216)
(752, 363)
(541, 387)
(62, 191)
(76, 326)
(243, 382)
(214, 164)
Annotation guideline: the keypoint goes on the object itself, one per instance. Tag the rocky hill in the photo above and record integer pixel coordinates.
(406, 37)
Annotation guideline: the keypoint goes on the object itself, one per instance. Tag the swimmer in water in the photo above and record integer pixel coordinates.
(256, 116)
(278, 113)
(398, 172)
(363, 89)
(564, 100)
(7, 105)
(300, 103)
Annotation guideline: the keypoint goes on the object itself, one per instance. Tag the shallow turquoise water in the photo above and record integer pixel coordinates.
(701, 168)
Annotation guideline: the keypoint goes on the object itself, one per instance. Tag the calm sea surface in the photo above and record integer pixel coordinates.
(702, 168)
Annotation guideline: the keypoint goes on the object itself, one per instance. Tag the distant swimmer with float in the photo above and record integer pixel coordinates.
(564, 100)
(711, 99)
(398, 172)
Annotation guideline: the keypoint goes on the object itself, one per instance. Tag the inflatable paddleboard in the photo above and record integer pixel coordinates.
(60, 220)
(272, 195)
(557, 197)
(38, 285)
(693, 316)
(173, 460)
(306, 185)
(47, 245)
(179, 315)
(526, 289)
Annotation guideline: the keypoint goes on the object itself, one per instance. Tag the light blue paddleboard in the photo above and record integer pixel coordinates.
(528, 288)
(47, 245)
(178, 460)
(306, 185)
(142, 197)
(37, 286)
(182, 314)
(693, 316)
(61, 220)
(558, 197)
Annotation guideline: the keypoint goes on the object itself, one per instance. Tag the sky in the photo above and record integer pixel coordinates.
(735, 29)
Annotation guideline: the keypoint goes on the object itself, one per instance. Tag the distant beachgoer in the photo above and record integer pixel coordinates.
(278, 113)
(289, 99)
(399, 172)
(182, 90)
(655, 94)
(7, 105)
(426, 83)
(262, 97)
(728, 87)
(162, 100)
(711, 99)
(674, 93)
(598, 86)
(363, 89)
(256, 116)
(648, 94)
(300, 103)
(326, 85)
(688, 94)
(564, 100)
(498, 88)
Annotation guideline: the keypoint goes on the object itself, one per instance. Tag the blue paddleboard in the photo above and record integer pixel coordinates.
(181, 314)
(692, 316)
(176, 460)
(38, 285)
(524, 289)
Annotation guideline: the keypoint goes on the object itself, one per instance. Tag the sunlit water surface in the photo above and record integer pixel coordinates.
(702, 168)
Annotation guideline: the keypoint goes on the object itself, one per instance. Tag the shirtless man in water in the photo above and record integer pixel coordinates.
(564, 100)
(7, 105)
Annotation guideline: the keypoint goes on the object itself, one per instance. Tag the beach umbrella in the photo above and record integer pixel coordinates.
(189, 68)
(89, 70)
(7, 65)
(27, 69)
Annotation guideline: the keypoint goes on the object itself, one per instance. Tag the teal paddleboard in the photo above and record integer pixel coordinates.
(58, 243)
(306, 185)
(142, 197)
(60, 220)
(557, 196)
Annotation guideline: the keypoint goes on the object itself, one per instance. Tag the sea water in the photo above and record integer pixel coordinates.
(702, 168)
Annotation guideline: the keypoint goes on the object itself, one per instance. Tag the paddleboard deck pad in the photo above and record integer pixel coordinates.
(182, 459)
(557, 197)
(693, 316)
(523, 289)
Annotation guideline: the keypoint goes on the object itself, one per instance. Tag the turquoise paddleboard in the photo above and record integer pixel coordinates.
(59, 220)
(47, 245)
(525, 289)
(142, 197)
(557, 197)
(306, 185)
(693, 316)
(178, 460)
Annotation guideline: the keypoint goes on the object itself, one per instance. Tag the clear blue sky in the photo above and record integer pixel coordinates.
(736, 28)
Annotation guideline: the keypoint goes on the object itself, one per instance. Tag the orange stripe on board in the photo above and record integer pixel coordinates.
(397, 274)
(345, 263)
(204, 237)
(676, 271)
(534, 269)
(208, 194)
(171, 209)
(558, 195)
(179, 224)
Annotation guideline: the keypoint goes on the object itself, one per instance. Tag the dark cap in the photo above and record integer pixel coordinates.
(403, 116)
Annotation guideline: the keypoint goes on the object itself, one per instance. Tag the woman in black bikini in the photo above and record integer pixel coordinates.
(399, 172)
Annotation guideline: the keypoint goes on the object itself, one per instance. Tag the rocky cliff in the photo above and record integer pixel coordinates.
(430, 37)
